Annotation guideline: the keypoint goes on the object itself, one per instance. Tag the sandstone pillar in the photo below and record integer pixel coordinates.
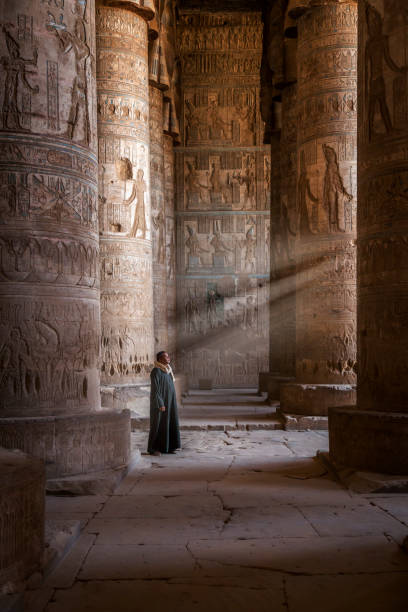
(49, 279)
(124, 187)
(159, 81)
(326, 206)
(375, 435)
(169, 206)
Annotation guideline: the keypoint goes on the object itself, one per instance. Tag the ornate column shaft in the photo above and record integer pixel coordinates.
(375, 435)
(169, 206)
(326, 205)
(124, 212)
(49, 279)
(158, 218)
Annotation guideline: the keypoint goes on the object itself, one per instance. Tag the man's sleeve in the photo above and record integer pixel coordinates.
(157, 399)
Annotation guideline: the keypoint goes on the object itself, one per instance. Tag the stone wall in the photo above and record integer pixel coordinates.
(223, 201)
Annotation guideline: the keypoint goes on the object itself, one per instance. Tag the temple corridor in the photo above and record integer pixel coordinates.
(238, 520)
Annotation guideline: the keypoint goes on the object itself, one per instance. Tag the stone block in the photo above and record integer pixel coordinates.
(135, 398)
(274, 385)
(205, 384)
(71, 444)
(21, 517)
(369, 440)
(314, 400)
(301, 422)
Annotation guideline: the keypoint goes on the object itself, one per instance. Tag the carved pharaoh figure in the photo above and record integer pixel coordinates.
(76, 41)
(160, 239)
(139, 189)
(304, 192)
(334, 191)
(15, 70)
(376, 52)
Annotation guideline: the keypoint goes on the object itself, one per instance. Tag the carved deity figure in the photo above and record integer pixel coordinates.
(221, 249)
(15, 362)
(376, 52)
(219, 128)
(193, 184)
(193, 244)
(250, 247)
(139, 189)
(14, 67)
(247, 179)
(334, 191)
(159, 225)
(212, 309)
(245, 114)
(251, 313)
(195, 126)
(76, 42)
(304, 192)
(192, 315)
(285, 230)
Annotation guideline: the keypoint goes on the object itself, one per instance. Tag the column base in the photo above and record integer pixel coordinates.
(128, 396)
(72, 445)
(275, 381)
(314, 400)
(369, 440)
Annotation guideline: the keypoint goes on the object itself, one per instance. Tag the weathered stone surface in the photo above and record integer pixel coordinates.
(369, 440)
(223, 199)
(49, 288)
(124, 194)
(72, 444)
(380, 594)
(374, 437)
(326, 197)
(21, 518)
(315, 400)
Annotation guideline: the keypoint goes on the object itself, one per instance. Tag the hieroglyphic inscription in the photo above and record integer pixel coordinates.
(326, 195)
(124, 196)
(382, 213)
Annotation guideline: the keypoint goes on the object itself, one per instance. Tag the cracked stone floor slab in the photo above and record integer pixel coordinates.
(238, 521)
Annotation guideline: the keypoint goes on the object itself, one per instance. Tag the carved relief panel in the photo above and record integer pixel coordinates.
(49, 277)
(223, 201)
(124, 195)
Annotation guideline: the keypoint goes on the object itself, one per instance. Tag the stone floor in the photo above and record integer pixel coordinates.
(236, 521)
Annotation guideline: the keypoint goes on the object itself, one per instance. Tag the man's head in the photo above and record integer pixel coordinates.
(163, 357)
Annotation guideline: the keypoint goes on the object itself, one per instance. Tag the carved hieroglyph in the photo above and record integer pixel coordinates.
(158, 218)
(326, 194)
(124, 195)
(49, 279)
(222, 201)
(383, 210)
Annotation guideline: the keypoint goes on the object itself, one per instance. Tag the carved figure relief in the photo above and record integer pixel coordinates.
(334, 192)
(377, 52)
(304, 195)
(139, 188)
(16, 106)
(79, 127)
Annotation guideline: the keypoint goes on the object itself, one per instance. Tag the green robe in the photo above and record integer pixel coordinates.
(164, 433)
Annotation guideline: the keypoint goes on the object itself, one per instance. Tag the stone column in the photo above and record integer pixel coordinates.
(375, 435)
(169, 205)
(124, 188)
(326, 206)
(49, 278)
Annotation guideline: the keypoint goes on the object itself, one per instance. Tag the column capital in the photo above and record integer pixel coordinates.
(297, 8)
(144, 8)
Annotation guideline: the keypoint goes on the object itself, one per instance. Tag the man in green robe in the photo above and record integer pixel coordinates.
(164, 436)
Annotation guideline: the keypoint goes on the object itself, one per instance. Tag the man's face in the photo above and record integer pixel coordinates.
(164, 358)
